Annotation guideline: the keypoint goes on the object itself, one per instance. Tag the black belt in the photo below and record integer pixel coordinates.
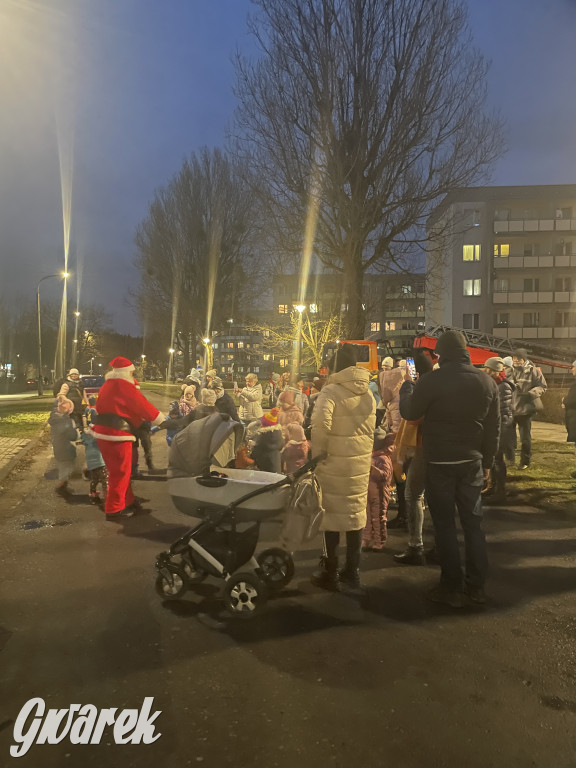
(113, 421)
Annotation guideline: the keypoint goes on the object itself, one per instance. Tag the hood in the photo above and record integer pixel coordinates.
(355, 379)
(393, 378)
(456, 356)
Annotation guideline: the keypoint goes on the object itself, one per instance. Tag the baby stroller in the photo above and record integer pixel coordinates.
(231, 504)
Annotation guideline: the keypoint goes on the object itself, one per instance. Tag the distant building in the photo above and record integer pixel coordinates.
(503, 260)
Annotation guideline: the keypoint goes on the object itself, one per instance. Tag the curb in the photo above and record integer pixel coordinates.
(7, 469)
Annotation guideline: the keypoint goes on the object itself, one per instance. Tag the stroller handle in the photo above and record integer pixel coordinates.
(309, 466)
(288, 480)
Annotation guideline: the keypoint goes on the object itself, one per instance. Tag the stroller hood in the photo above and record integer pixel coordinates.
(211, 440)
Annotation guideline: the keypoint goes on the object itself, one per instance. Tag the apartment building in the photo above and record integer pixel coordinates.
(503, 260)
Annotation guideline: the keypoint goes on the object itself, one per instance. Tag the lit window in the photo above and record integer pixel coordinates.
(471, 252)
(266, 357)
(230, 357)
(313, 309)
(472, 287)
(241, 369)
(230, 345)
(344, 308)
(283, 362)
(215, 346)
(240, 345)
(502, 250)
(374, 327)
(406, 289)
(390, 326)
(266, 334)
(283, 309)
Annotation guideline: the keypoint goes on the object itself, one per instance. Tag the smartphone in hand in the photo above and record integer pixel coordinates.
(411, 367)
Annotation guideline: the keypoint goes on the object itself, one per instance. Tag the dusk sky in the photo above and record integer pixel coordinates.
(117, 92)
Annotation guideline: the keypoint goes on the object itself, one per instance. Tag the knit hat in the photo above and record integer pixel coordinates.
(63, 405)
(294, 432)
(189, 392)
(208, 397)
(73, 370)
(121, 363)
(494, 364)
(275, 377)
(212, 372)
(287, 396)
(507, 362)
(344, 357)
(270, 419)
(450, 341)
(92, 400)
(174, 408)
(387, 362)
(217, 383)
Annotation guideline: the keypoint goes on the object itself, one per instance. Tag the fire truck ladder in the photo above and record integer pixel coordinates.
(557, 357)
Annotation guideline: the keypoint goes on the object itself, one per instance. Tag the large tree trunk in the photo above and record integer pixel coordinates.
(354, 320)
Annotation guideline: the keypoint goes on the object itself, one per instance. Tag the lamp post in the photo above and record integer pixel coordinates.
(40, 377)
(300, 309)
(75, 346)
(208, 353)
(143, 358)
(91, 365)
(170, 364)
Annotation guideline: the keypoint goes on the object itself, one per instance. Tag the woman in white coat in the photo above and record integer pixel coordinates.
(250, 396)
(343, 424)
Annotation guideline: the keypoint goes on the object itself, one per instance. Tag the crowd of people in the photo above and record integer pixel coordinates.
(435, 432)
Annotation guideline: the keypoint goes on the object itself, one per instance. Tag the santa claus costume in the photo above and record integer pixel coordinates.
(120, 406)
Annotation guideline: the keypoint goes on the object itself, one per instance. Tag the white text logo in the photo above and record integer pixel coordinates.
(83, 724)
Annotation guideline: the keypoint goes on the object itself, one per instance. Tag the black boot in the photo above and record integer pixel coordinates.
(326, 576)
(398, 522)
(411, 556)
(350, 577)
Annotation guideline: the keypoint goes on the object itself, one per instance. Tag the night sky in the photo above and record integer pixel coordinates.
(120, 91)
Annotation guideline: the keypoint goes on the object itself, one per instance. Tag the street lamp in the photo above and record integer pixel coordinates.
(170, 362)
(91, 365)
(300, 309)
(207, 353)
(143, 357)
(40, 382)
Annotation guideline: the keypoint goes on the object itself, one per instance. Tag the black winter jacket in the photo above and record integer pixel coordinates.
(506, 391)
(460, 406)
(570, 406)
(225, 404)
(63, 433)
(266, 451)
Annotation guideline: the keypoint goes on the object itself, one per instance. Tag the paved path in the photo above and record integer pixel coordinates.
(9, 447)
(17, 396)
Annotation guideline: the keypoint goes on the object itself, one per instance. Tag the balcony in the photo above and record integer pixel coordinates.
(534, 297)
(546, 332)
(532, 262)
(535, 225)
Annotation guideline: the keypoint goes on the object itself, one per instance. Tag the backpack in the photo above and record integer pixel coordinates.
(304, 513)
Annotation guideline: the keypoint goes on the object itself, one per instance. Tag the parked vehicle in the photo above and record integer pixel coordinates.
(92, 385)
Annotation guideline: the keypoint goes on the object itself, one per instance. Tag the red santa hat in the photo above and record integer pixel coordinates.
(122, 364)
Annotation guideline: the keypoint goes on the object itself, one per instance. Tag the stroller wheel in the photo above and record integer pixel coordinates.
(277, 567)
(171, 582)
(244, 595)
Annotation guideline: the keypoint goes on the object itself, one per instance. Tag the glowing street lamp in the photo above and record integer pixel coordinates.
(143, 358)
(170, 362)
(300, 309)
(40, 377)
(208, 352)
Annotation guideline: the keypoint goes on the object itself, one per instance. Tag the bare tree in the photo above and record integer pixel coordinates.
(311, 332)
(193, 250)
(366, 112)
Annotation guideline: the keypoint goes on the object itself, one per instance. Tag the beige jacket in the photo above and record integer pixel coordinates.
(250, 403)
(343, 424)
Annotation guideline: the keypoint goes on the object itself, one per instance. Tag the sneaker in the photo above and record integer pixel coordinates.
(95, 500)
(138, 502)
(63, 490)
(476, 594)
(447, 596)
(523, 466)
(411, 556)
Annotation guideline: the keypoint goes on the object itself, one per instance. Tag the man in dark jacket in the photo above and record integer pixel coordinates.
(224, 402)
(530, 386)
(460, 433)
(494, 367)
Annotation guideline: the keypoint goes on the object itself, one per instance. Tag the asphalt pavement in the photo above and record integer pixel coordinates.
(381, 679)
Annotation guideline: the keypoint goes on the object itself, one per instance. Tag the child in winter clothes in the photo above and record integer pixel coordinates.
(63, 434)
(295, 452)
(268, 443)
(173, 413)
(289, 412)
(90, 411)
(96, 470)
(188, 400)
(375, 533)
